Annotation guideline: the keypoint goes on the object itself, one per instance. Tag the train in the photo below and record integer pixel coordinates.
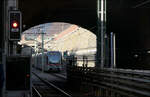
(52, 61)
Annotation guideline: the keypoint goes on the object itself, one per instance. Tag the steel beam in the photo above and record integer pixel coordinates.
(142, 4)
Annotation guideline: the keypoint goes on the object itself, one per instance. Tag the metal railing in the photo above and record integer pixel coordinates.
(119, 82)
(82, 60)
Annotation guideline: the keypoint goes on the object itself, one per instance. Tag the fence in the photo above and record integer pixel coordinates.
(111, 82)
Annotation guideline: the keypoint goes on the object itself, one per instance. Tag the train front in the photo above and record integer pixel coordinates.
(54, 61)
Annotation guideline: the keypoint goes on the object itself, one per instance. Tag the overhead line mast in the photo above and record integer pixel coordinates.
(101, 23)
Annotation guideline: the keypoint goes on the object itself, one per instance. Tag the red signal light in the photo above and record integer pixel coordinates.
(15, 24)
(27, 75)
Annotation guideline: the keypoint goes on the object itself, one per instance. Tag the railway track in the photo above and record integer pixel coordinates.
(61, 76)
(43, 88)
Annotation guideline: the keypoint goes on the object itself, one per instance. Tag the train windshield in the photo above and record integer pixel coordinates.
(54, 57)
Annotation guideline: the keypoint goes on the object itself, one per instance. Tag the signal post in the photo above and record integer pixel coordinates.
(15, 29)
(17, 68)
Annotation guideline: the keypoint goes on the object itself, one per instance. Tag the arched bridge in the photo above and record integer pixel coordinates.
(79, 12)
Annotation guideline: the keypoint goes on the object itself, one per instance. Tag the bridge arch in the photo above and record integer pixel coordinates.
(80, 12)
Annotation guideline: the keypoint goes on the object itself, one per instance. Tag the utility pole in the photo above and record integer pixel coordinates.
(42, 51)
(35, 59)
(41, 32)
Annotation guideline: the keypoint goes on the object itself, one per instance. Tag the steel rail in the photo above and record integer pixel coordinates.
(52, 85)
(59, 76)
(36, 91)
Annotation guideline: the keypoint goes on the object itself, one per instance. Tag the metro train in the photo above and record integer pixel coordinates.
(52, 61)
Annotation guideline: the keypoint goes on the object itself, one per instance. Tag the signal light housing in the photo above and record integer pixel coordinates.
(15, 25)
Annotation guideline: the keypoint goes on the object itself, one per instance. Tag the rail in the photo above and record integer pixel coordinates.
(37, 92)
(52, 85)
(126, 82)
